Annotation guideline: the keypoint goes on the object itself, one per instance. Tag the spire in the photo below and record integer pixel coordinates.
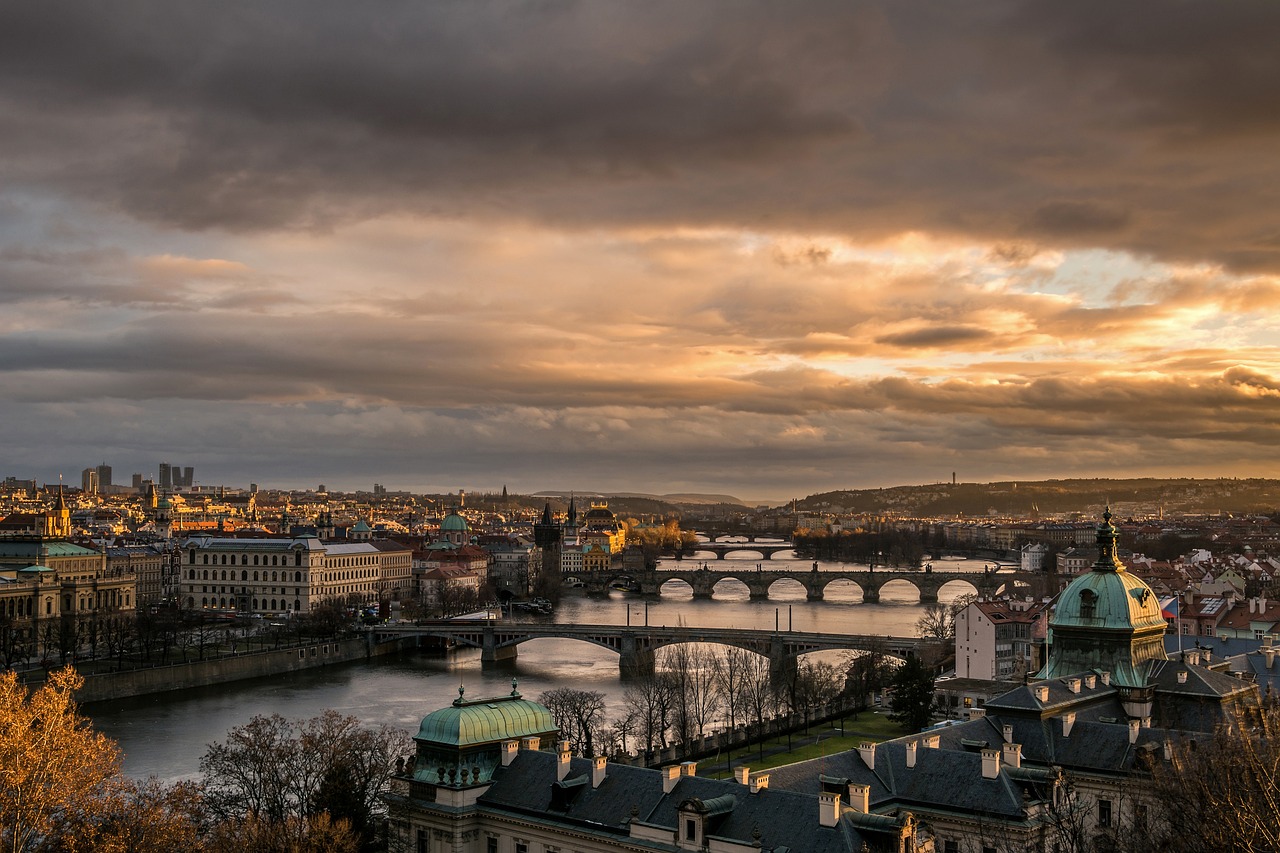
(1107, 559)
(546, 513)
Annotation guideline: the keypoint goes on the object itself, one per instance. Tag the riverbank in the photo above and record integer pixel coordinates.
(127, 684)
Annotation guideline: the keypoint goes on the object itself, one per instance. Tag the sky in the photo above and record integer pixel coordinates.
(755, 248)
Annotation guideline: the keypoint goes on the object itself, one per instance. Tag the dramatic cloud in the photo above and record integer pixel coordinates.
(707, 246)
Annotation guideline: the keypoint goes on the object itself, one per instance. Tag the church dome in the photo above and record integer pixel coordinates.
(1114, 599)
(485, 721)
(453, 523)
(1107, 620)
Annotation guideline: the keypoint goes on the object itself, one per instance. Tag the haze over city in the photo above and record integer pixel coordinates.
(745, 248)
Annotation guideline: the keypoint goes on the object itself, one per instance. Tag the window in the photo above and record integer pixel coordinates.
(491, 845)
(1088, 603)
(424, 841)
(521, 847)
(951, 846)
(1104, 813)
(690, 829)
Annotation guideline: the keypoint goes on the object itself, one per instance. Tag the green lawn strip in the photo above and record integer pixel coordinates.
(869, 727)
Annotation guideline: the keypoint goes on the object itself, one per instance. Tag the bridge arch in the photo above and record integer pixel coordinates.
(672, 585)
(787, 589)
(957, 587)
(839, 584)
(895, 587)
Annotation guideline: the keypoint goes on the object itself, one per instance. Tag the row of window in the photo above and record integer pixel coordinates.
(244, 576)
(276, 559)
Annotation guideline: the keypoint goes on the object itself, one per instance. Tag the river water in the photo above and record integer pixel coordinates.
(165, 735)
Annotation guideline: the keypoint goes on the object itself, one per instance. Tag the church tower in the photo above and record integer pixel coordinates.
(1108, 620)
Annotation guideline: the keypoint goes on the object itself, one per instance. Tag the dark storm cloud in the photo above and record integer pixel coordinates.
(1079, 124)
(938, 336)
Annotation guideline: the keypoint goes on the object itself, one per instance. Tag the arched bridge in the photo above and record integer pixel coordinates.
(635, 645)
(722, 548)
(758, 581)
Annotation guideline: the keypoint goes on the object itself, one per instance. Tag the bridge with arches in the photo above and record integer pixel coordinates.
(635, 645)
(703, 581)
(720, 549)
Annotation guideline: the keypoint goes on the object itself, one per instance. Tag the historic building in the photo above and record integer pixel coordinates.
(274, 575)
(43, 576)
(482, 781)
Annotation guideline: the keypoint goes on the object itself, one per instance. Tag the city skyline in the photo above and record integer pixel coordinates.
(721, 248)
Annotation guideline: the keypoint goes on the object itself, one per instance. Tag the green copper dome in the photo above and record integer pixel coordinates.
(453, 523)
(1107, 620)
(485, 721)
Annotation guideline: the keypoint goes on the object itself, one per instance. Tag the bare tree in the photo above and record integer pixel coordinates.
(579, 714)
(731, 668)
(650, 701)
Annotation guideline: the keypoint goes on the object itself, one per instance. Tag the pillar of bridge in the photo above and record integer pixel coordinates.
(720, 554)
(870, 594)
(759, 589)
(928, 595)
(490, 652)
(703, 583)
(813, 588)
(636, 659)
(782, 666)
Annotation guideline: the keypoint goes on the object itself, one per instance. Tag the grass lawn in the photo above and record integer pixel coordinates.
(868, 727)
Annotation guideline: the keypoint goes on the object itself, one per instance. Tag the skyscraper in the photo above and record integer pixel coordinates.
(89, 481)
(104, 476)
(166, 476)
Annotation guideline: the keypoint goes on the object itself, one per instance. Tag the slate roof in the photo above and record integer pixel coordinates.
(783, 818)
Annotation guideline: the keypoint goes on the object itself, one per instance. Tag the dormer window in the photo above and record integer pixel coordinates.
(1088, 604)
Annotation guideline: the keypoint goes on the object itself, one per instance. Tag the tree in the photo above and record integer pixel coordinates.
(61, 788)
(912, 700)
(287, 773)
(1220, 791)
(579, 714)
(731, 668)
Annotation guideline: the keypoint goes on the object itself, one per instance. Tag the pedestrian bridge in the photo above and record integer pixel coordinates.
(635, 645)
(759, 581)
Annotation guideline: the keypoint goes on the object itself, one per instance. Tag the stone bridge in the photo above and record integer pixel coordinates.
(635, 644)
(721, 548)
(704, 580)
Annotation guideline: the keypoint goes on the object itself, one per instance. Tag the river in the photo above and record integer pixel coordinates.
(165, 735)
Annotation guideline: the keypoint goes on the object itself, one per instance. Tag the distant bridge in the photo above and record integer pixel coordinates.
(721, 548)
(636, 644)
(759, 581)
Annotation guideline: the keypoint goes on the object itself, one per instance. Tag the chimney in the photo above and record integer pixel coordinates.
(1106, 679)
(931, 741)
(868, 753)
(530, 743)
(1068, 723)
(1168, 750)
(563, 755)
(1090, 681)
(742, 774)
(860, 798)
(1207, 656)
(688, 768)
(828, 809)
(509, 750)
(911, 754)
(1042, 693)
(1270, 655)
(598, 765)
(1253, 603)
(1134, 727)
(1182, 676)
(1007, 731)
(990, 763)
(759, 782)
(670, 776)
(1191, 656)
(1011, 753)
(1073, 684)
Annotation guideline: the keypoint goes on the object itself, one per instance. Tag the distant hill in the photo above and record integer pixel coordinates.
(690, 498)
(1058, 497)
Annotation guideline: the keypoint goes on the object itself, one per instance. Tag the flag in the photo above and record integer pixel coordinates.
(1169, 607)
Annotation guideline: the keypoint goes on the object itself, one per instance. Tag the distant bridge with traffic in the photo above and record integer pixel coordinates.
(759, 581)
(635, 645)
